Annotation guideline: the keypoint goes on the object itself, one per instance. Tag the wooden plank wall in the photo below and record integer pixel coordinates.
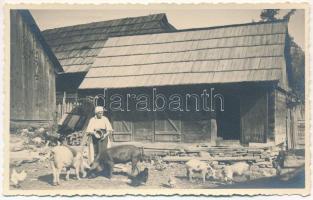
(32, 77)
(253, 111)
(150, 127)
(195, 126)
(160, 126)
(297, 126)
(123, 127)
(281, 118)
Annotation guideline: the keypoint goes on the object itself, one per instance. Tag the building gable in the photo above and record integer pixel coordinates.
(77, 46)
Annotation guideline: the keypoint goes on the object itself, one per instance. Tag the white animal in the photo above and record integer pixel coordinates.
(171, 182)
(195, 165)
(239, 168)
(65, 156)
(24, 131)
(16, 177)
(37, 140)
(40, 130)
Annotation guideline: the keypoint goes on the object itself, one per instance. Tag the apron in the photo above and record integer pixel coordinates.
(95, 145)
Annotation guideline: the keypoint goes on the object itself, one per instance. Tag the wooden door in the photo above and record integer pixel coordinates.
(167, 127)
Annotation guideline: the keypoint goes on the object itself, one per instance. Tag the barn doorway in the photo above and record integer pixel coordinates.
(228, 121)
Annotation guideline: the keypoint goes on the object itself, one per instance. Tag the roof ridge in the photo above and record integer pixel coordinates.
(162, 15)
(234, 25)
(210, 27)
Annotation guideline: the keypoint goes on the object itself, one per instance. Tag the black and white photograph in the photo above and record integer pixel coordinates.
(154, 99)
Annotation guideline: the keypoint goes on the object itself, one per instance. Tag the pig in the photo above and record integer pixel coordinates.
(239, 168)
(66, 157)
(121, 154)
(195, 165)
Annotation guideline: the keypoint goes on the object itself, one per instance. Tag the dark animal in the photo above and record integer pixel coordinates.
(106, 159)
(140, 178)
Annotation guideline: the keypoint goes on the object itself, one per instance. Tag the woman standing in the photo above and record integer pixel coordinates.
(99, 132)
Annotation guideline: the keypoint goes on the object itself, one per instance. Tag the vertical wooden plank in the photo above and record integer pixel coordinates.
(213, 131)
(34, 94)
(23, 71)
(266, 116)
(14, 59)
(253, 117)
(271, 116)
(280, 117)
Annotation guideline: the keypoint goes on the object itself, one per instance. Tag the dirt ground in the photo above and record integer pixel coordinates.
(39, 177)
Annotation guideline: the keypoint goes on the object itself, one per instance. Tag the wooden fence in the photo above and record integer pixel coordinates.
(65, 104)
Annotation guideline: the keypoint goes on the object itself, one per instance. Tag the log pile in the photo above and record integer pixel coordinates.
(75, 138)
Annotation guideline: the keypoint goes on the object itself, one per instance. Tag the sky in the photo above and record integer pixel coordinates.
(179, 18)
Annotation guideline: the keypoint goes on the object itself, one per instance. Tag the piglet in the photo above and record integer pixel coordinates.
(195, 165)
(66, 157)
(239, 168)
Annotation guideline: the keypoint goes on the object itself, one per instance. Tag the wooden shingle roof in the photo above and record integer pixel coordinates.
(235, 53)
(77, 46)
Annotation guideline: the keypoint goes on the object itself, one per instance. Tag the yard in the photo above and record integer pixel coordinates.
(39, 176)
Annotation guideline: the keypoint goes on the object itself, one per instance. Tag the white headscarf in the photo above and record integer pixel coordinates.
(99, 109)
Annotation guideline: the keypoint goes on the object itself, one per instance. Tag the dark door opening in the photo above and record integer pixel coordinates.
(228, 121)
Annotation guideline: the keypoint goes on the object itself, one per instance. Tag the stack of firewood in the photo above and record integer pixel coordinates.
(75, 138)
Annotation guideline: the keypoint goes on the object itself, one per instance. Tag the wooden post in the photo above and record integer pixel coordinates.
(63, 104)
(104, 99)
(213, 128)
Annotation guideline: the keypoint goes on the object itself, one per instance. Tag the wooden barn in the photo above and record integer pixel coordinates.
(32, 74)
(245, 64)
(76, 48)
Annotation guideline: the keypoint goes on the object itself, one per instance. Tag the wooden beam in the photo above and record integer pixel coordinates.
(187, 158)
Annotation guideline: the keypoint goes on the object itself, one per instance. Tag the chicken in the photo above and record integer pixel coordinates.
(140, 178)
(16, 177)
(171, 182)
(24, 131)
(40, 130)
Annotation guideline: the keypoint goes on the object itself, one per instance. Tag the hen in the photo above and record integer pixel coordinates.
(171, 182)
(141, 178)
(16, 177)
